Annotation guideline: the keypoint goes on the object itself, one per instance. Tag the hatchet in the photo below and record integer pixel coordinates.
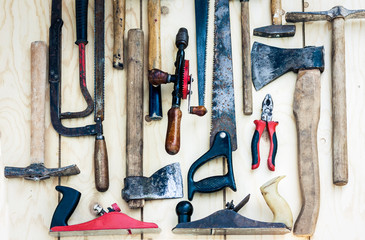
(36, 170)
(269, 63)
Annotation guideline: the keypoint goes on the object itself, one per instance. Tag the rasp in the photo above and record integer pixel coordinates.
(100, 157)
(201, 23)
(223, 107)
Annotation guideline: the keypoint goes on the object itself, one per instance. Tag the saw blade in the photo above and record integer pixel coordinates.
(223, 106)
(201, 22)
(99, 53)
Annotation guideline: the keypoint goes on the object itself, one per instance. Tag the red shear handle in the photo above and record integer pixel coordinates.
(260, 126)
(273, 145)
(172, 144)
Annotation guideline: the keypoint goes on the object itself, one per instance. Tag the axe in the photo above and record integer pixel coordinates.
(36, 170)
(269, 63)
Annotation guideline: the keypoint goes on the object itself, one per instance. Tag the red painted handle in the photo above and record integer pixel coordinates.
(255, 144)
(273, 145)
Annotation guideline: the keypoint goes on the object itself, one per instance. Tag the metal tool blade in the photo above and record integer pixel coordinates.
(275, 31)
(201, 23)
(223, 106)
(99, 60)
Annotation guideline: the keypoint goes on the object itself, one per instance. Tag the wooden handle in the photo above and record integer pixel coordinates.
(134, 128)
(306, 111)
(172, 144)
(157, 77)
(119, 25)
(101, 165)
(39, 55)
(339, 118)
(198, 110)
(276, 12)
(154, 41)
(246, 58)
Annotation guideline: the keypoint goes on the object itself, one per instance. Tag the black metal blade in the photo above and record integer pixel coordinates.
(275, 31)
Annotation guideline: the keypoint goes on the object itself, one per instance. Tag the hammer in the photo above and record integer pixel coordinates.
(269, 63)
(337, 16)
(36, 170)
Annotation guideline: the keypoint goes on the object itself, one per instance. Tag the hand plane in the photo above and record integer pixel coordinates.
(229, 221)
(109, 222)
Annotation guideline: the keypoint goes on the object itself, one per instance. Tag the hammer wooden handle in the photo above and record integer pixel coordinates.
(101, 165)
(172, 144)
(276, 12)
(134, 130)
(39, 56)
(119, 25)
(246, 58)
(306, 111)
(339, 118)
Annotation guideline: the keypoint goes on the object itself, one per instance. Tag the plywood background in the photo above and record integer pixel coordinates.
(26, 207)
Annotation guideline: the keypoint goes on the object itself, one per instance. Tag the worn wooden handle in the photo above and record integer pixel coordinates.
(39, 54)
(134, 130)
(119, 25)
(172, 144)
(198, 110)
(157, 77)
(339, 118)
(154, 41)
(306, 111)
(246, 58)
(276, 12)
(101, 165)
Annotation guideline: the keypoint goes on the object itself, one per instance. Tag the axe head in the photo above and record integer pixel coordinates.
(275, 31)
(269, 63)
(165, 183)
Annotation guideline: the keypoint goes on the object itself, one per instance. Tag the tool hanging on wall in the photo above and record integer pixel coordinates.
(309, 63)
(118, 26)
(55, 46)
(276, 30)
(337, 16)
(109, 222)
(266, 120)
(36, 170)
(229, 222)
(182, 84)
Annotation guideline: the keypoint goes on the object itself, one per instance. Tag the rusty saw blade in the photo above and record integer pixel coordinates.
(223, 107)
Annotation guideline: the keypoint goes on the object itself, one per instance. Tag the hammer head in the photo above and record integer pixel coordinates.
(275, 31)
(269, 63)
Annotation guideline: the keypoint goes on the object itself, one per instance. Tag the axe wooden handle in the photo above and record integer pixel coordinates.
(306, 111)
(276, 12)
(39, 56)
(119, 25)
(172, 144)
(134, 129)
(101, 165)
(339, 118)
(246, 58)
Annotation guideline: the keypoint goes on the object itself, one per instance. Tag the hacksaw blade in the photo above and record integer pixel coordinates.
(223, 106)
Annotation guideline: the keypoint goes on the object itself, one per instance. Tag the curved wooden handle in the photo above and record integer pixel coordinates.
(119, 25)
(172, 144)
(157, 77)
(306, 111)
(39, 56)
(276, 12)
(339, 118)
(101, 165)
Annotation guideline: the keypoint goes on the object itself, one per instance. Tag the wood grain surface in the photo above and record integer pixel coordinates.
(27, 207)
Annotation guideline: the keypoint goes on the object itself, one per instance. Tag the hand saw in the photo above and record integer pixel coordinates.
(55, 46)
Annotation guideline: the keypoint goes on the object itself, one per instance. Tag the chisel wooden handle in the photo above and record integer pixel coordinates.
(39, 52)
(276, 12)
(172, 144)
(339, 118)
(306, 111)
(119, 25)
(134, 141)
(246, 57)
(101, 165)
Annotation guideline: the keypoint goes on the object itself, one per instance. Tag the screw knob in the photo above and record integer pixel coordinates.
(184, 210)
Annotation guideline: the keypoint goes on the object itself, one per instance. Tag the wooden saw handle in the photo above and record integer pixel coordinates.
(119, 25)
(306, 111)
(39, 56)
(101, 165)
(276, 12)
(134, 141)
(246, 58)
(172, 144)
(339, 118)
